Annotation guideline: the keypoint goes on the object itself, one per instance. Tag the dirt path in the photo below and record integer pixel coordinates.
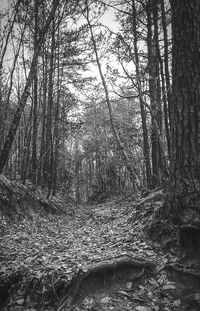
(42, 256)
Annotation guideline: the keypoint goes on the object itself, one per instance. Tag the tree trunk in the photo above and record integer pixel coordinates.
(146, 147)
(44, 108)
(166, 64)
(49, 130)
(153, 77)
(185, 177)
(17, 117)
(133, 176)
(35, 103)
(57, 113)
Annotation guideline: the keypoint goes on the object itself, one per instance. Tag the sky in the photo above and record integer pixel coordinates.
(3, 4)
(108, 19)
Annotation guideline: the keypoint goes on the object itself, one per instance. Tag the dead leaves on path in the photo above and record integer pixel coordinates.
(49, 250)
(64, 244)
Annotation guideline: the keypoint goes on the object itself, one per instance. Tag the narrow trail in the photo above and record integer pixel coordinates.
(90, 258)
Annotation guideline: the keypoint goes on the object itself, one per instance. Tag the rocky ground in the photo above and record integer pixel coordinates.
(93, 257)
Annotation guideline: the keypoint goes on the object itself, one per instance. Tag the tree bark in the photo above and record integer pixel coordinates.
(185, 178)
(154, 100)
(166, 64)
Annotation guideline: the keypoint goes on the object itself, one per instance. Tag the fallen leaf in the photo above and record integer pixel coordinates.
(141, 308)
(129, 285)
(177, 303)
(169, 286)
(20, 301)
(105, 300)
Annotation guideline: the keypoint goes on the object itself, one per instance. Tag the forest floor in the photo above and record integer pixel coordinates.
(96, 257)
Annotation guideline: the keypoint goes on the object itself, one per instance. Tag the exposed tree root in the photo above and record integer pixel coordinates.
(103, 268)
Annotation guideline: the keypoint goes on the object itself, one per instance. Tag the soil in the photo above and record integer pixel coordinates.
(55, 255)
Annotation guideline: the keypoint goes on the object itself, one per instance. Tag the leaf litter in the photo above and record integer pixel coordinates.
(44, 253)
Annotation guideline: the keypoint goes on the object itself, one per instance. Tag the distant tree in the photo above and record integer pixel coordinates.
(119, 142)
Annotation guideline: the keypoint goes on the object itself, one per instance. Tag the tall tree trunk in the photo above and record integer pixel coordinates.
(57, 112)
(166, 64)
(163, 165)
(165, 108)
(185, 177)
(35, 103)
(44, 107)
(13, 128)
(142, 106)
(49, 137)
(152, 66)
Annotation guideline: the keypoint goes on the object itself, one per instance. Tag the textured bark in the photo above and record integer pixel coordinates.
(165, 108)
(168, 111)
(154, 100)
(162, 165)
(186, 89)
(186, 106)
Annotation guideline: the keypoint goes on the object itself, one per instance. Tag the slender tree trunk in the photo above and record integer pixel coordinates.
(142, 107)
(35, 103)
(130, 169)
(153, 98)
(157, 67)
(13, 128)
(57, 112)
(49, 130)
(44, 108)
(165, 108)
(163, 165)
(168, 110)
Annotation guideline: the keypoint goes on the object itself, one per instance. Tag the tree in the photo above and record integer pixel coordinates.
(154, 94)
(14, 126)
(127, 161)
(166, 90)
(142, 104)
(184, 192)
(35, 100)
